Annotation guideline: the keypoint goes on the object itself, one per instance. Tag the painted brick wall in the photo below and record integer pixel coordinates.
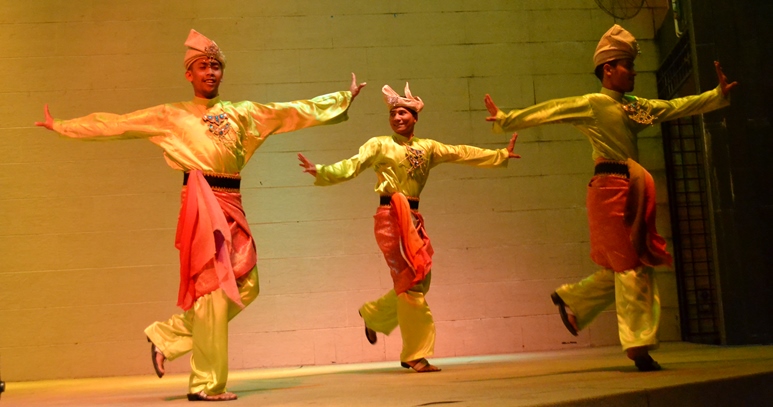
(86, 228)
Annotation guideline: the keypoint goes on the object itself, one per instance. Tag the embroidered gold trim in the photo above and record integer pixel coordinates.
(610, 174)
(221, 189)
(220, 175)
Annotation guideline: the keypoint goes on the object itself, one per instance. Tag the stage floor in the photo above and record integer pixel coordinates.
(693, 375)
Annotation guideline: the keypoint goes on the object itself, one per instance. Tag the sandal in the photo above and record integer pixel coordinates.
(201, 396)
(420, 366)
(370, 334)
(647, 364)
(562, 312)
(158, 367)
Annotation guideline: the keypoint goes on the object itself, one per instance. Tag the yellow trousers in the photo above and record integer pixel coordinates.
(203, 329)
(636, 299)
(408, 310)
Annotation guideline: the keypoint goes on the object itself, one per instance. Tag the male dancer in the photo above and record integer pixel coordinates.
(621, 195)
(211, 141)
(402, 163)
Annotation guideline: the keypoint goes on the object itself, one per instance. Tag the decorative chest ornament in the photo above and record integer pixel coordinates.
(637, 113)
(217, 124)
(415, 158)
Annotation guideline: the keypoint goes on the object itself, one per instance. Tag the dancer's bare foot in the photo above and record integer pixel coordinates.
(201, 396)
(421, 366)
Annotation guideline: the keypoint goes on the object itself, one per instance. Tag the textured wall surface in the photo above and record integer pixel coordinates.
(87, 228)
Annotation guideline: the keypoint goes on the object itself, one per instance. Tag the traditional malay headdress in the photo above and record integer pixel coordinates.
(393, 99)
(616, 43)
(200, 46)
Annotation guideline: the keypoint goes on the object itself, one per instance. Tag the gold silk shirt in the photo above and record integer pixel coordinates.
(402, 164)
(210, 135)
(610, 120)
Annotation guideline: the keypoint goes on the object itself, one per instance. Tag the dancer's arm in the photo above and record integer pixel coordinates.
(273, 118)
(566, 110)
(144, 123)
(479, 157)
(343, 170)
(665, 110)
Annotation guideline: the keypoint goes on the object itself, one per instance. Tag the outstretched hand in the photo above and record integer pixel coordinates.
(511, 146)
(723, 80)
(354, 87)
(491, 107)
(48, 122)
(308, 166)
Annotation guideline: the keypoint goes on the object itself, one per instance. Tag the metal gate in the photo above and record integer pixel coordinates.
(685, 155)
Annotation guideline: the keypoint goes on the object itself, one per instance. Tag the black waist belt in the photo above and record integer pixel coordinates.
(387, 201)
(612, 168)
(218, 182)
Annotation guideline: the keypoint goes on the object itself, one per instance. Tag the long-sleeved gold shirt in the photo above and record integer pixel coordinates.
(210, 135)
(610, 119)
(403, 164)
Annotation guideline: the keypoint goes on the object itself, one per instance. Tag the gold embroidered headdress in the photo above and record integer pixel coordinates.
(393, 99)
(200, 46)
(616, 43)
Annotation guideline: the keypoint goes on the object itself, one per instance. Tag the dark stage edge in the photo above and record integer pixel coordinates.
(693, 375)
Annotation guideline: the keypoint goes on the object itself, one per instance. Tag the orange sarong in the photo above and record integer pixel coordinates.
(402, 239)
(621, 217)
(215, 242)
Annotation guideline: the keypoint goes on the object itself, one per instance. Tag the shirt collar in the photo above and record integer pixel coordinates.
(612, 93)
(399, 139)
(206, 102)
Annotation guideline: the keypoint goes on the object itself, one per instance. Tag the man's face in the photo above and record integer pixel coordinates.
(205, 75)
(402, 121)
(620, 77)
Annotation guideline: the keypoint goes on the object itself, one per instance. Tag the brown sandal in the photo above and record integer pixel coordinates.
(420, 366)
(201, 396)
(157, 366)
(562, 312)
(647, 364)
(370, 334)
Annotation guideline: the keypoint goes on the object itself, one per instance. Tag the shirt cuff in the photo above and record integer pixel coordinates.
(497, 127)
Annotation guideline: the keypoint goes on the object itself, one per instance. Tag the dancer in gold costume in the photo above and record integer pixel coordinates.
(621, 195)
(210, 140)
(402, 163)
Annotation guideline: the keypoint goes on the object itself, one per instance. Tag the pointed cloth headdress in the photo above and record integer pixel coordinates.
(393, 99)
(200, 46)
(616, 43)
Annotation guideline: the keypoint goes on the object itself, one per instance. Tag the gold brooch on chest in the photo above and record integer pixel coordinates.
(636, 112)
(217, 124)
(415, 158)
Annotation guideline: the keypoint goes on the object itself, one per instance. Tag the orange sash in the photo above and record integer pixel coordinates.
(415, 242)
